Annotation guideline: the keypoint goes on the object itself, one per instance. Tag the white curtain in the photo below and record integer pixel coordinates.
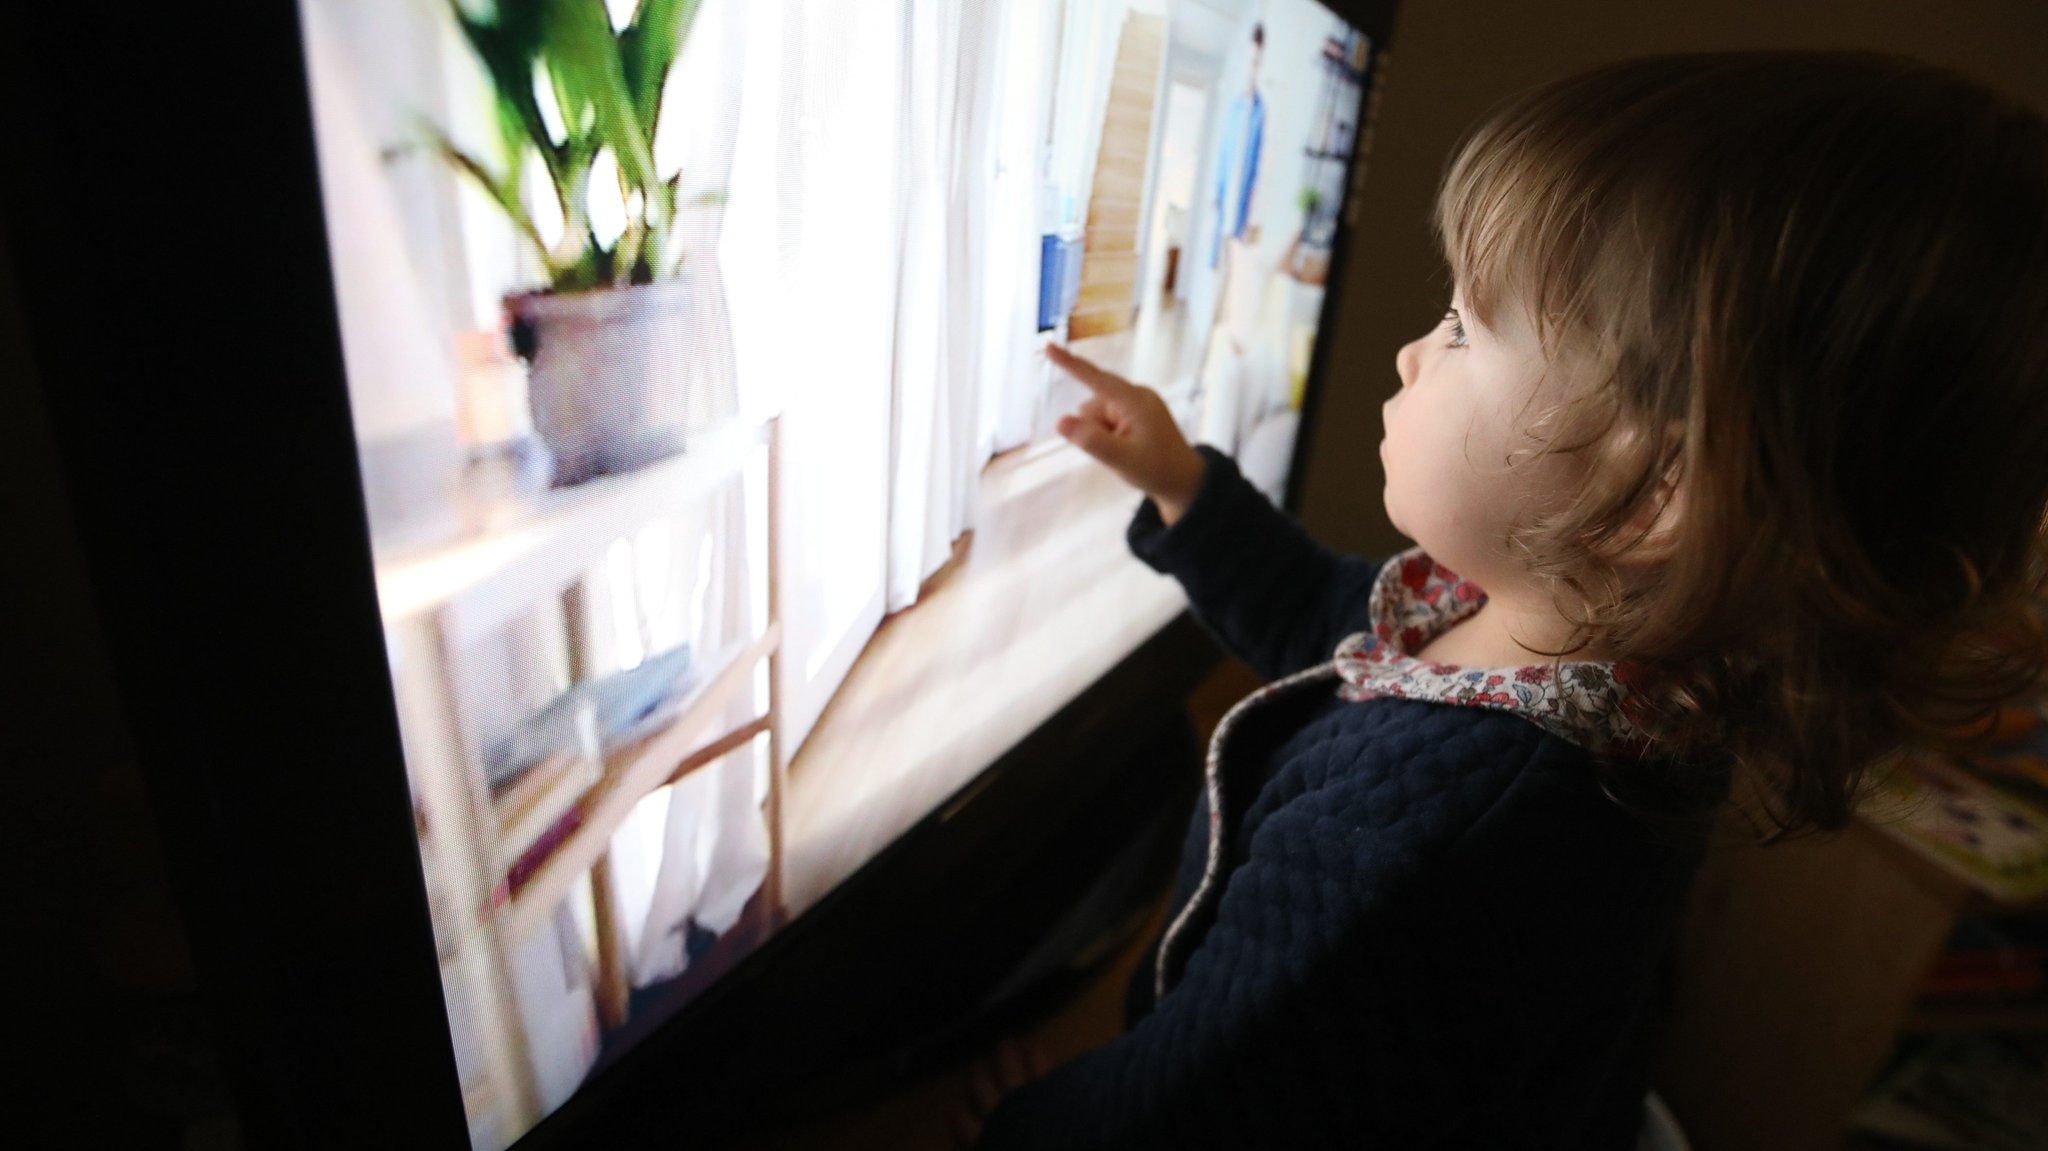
(811, 250)
(946, 83)
(698, 850)
(1012, 373)
(966, 369)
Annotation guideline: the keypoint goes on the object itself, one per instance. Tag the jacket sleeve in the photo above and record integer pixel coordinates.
(1271, 595)
(1309, 1016)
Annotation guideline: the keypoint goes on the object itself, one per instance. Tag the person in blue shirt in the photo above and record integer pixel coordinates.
(1237, 161)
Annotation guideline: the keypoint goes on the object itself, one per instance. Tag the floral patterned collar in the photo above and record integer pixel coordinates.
(1414, 600)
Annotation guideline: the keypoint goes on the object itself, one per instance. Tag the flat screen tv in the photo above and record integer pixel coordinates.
(573, 488)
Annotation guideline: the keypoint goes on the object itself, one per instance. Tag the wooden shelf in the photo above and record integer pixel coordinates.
(522, 549)
(1342, 67)
(552, 826)
(686, 743)
(538, 798)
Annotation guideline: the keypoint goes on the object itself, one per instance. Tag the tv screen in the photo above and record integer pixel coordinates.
(695, 357)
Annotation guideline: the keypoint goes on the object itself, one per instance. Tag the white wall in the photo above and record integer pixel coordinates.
(1182, 111)
(386, 233)
(1289, 80)
(1195, 32)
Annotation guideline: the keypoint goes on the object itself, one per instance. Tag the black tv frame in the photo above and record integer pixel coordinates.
(161, 206)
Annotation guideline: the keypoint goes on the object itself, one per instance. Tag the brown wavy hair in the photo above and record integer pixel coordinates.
(1807, 293)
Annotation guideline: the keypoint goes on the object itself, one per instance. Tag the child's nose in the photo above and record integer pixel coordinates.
(1407, 360)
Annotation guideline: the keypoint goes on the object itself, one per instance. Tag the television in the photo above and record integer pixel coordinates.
(612, 635)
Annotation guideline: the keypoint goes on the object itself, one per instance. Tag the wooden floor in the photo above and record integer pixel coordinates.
(1042, 600)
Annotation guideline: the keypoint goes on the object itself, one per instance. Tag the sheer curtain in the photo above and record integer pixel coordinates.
(1011, 370)
(695, 851)
(880, 250)
(811, 250)
(972, 118)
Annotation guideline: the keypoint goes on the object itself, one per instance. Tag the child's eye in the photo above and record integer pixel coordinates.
(1456, 324)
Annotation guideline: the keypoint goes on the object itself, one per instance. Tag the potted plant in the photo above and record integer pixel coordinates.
(1307, 260)
(623, 330)
(1310, 198)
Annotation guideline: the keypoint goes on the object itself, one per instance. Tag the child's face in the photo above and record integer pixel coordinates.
(1469, 396)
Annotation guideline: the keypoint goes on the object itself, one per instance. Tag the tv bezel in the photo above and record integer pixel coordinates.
(190, 364)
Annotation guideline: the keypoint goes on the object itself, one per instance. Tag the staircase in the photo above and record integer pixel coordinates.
(1108, 298)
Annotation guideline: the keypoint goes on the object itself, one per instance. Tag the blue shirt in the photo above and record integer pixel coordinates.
(1244, 132)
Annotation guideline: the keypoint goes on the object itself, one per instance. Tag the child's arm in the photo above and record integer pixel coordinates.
(1274, 597)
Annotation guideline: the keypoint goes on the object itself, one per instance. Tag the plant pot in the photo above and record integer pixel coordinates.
(618, 376)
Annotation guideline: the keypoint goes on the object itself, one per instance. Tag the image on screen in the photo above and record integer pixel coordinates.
(695, 357)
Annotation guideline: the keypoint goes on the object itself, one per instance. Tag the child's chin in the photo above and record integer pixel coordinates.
(1393, 516)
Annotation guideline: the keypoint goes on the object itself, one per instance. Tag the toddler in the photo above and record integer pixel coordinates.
(1726, 469)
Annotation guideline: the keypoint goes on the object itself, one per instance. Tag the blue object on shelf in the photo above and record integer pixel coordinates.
(1048, 282)
(1059, 276)
(625, 702)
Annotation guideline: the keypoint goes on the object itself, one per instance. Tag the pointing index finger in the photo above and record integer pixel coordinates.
(1096, 380)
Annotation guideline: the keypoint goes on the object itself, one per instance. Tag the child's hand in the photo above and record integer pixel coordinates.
(989, 1078)
(1129, 428)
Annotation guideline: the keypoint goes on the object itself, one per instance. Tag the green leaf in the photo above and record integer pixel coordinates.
(648, 48)
(507, 48)
(503, 190)
(626, 253)
(574, 189)
(584, 273)
(609, 89)
(583, 58)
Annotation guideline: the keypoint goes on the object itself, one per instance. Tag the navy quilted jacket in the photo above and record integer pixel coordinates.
(1437, 930)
